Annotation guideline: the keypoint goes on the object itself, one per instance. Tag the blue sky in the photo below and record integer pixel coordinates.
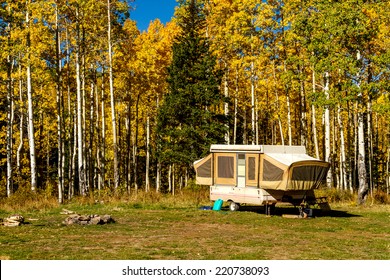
(148, 10)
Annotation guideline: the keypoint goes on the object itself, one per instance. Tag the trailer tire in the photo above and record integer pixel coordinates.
(234, 206)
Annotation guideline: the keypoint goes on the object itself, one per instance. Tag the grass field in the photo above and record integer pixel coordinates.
(182, 231)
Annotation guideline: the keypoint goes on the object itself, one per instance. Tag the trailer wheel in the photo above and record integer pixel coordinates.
(233, 206)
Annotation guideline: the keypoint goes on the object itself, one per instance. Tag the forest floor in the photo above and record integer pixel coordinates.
(188, 233)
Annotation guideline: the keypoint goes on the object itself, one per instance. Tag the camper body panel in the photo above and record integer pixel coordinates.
(247, 195)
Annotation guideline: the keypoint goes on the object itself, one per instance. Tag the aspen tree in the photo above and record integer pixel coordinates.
(314, 119)
(80, 113)
(31, 134)
(21, 123)
(327, 130)
(60, 147)
(361, 160)
(112, 99)
(10, 116)
(147, 183)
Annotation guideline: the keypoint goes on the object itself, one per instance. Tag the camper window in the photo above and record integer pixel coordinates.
(309, 173)
(271, 172)
(225, 167)
(251, 168)
(205, 169)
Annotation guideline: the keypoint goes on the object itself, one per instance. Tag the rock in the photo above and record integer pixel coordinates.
(72, 219)
(107, 219)
(76, 219)
(66, 212)
(68, 222)
(84, 218)
(96, 221)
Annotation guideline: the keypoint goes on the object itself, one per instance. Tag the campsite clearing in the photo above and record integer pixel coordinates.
(348, 232)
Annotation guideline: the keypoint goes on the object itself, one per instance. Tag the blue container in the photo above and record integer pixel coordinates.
(217, 205)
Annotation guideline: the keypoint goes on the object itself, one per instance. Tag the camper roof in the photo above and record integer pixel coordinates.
(236, 148)
(280, 149)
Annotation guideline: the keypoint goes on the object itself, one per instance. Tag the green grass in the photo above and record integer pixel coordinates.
(172, 228)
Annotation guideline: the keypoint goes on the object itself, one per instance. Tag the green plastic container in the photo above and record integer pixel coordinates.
(217, 205)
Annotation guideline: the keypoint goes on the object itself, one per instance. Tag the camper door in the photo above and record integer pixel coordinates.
(241, 174)
(247, 170)
(225, 168)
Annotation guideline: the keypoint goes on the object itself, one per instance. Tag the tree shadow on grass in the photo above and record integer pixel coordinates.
(294, 211)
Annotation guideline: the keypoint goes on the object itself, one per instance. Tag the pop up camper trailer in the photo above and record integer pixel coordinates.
(260, 174)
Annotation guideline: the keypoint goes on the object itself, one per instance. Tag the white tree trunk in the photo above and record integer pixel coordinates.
(173, 179)
(313, 112)
(147, 182)
(103, 142)
(362, 173)
(257, 124)
(99, 139)
(113, 118)
(226, 106)
(253, 119)
(370, 146)
(170, 178)
(327, 131)
(10, 120)
(31, 136)
(277, 104)
(288, 110)
(74, 155)
(59, 114)
(343, 159)
(72, 149)
(235, 111)
(158, 176)
(21, 124)
(91, 158)
(361, 160)
(158, 165)
(289, 117)
(84, 118)
(80, 144)
(303, 115)
(135, 162)
(135, 145)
